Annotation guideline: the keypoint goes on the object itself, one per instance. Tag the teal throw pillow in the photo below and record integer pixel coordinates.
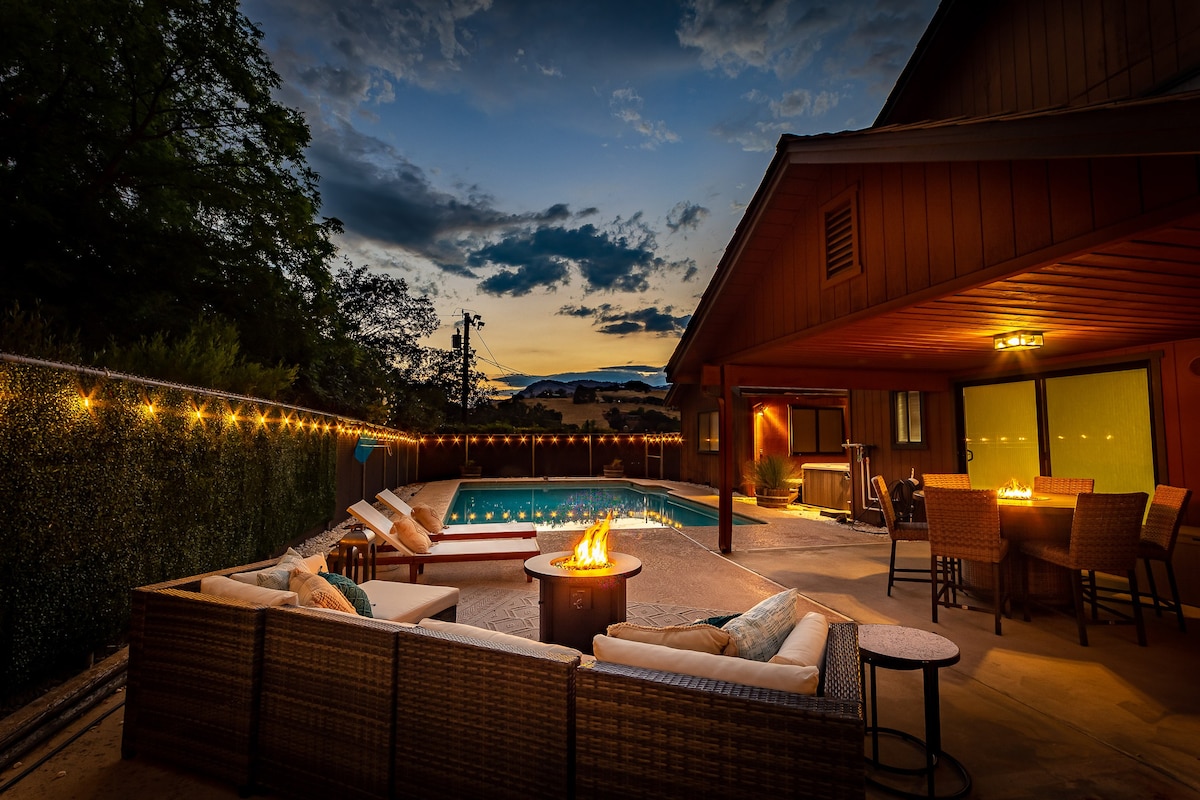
(759, 632)
(351, 591)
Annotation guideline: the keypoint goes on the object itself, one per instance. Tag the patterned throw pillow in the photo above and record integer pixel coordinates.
(351, 591)
(426, 518)
(759, 632)
(411, 536)
(313, 590)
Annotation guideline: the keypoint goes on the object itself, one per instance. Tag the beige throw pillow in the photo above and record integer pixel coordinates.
(410, 535)
(426, 518)
(805, 645)
(313, 590)
(700, 638)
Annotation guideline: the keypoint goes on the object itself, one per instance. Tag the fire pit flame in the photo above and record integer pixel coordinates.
(592, 550)
(1014, 491)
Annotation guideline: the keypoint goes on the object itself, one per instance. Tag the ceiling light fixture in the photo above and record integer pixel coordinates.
(1018, 340)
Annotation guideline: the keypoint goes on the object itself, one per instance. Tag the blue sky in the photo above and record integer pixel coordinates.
(569, 171)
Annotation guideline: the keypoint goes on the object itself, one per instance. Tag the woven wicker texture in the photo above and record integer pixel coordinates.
(492, 721)
(964, 523)
(195, 664)
(328, 694)
(1161, 528)
(899, 531)
(647, 734)
(947, 480)
(1047, 484)
(1105, 533)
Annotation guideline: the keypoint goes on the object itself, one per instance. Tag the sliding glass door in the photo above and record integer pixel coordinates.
(1002, 433)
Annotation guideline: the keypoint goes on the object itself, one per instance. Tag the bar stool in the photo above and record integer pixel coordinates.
(900, 648)
(356, 553)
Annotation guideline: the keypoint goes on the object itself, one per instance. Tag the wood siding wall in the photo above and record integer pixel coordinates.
(1035, 54)
(927, 224)
(871, 423)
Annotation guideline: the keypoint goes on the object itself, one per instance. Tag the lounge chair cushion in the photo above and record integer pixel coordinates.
(758, 633)
(784, 677)
(805, 645)
(313, 590)
(351, 591)
(427, 518)
(699, 637)
(221, 586)
(411, 535)
(497, 637)
(408, 602)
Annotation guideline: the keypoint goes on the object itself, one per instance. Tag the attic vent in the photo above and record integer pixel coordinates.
(840, 219)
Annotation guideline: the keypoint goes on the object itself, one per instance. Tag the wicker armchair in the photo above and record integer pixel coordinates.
(946, 480)
(964, 524)
(899, 532)
(1159, 532)
(1105, 536)
(1047, 484)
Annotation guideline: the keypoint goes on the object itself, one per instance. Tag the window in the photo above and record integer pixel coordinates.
(907, 430)
(708, 431)
(816, 431)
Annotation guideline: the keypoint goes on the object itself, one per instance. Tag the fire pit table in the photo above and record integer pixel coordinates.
(576, 604)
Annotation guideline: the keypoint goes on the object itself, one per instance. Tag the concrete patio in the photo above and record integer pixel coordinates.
(1030, 714)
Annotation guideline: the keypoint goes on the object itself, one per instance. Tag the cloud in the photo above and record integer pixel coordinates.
(775, 36)
(613, 320)
(627, 106)
(685, 216)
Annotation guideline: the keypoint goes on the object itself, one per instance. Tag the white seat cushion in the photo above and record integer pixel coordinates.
(515, 528)
(484, 546)
(498, 637)
(408, 602)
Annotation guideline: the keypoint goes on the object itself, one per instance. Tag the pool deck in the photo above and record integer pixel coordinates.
(1031, 713)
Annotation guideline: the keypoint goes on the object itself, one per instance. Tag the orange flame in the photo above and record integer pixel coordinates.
(1014, 491)
(592, 550)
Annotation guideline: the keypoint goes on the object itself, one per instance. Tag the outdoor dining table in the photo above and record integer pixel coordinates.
(1043, 517)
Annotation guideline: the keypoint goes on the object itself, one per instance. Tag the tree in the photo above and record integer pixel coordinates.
(148, 178)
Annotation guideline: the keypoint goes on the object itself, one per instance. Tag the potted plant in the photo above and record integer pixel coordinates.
(470, 469)
(614, 469)
(771, 477)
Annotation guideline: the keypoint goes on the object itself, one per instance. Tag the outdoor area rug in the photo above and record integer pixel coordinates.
(516, 612)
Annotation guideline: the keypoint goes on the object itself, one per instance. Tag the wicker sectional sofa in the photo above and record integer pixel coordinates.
(304, 703)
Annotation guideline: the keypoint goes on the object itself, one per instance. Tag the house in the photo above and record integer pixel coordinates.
(1035, 169)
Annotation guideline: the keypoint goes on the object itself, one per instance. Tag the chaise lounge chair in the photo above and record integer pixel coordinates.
(460, 532)
(393, 551)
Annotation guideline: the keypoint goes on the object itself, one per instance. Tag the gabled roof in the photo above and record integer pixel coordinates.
(1153, 302)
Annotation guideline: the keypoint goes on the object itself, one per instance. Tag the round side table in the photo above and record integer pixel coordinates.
(900, 648)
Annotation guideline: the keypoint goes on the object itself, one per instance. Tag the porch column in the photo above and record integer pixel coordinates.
(725, 448)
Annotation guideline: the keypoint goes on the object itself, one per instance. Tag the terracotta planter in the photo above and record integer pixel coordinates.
(772, 498)
(614, 472)
(471, 472)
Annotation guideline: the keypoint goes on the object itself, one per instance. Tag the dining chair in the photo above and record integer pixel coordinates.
(964, 525)
(1105, 537)
(1048, 484)
(947, 480)
(1157, 542)
(899, 532)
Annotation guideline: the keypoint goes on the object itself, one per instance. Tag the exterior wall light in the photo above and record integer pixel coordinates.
(1018, 340)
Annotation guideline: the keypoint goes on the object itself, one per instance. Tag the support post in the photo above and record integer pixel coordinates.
(725, 445)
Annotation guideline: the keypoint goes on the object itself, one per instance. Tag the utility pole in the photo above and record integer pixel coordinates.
(468, 321)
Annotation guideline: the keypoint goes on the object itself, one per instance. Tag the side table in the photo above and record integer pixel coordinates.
(355, 551)
(900, 648)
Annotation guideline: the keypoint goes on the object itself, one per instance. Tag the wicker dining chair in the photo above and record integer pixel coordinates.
(947, 480)
(1048, 484)
(1105, 537)
(964, 525)
(899, 532)
(1157, 543)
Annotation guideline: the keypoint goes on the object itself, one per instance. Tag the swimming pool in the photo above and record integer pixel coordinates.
(575, 505)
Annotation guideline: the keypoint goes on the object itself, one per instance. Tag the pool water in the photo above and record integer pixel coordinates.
(577, 505)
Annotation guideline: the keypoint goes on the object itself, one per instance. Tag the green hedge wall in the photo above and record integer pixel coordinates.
(108, 484)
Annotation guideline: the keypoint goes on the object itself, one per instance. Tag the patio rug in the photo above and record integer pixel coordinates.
(516, 612)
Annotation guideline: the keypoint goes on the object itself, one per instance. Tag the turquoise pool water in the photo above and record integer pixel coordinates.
(579, 504)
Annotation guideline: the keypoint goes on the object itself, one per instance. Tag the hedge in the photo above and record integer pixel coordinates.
(107, 484)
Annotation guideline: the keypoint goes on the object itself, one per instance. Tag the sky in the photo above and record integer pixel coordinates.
(571, 172)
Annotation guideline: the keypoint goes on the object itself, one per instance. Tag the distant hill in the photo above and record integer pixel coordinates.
(555, 388)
